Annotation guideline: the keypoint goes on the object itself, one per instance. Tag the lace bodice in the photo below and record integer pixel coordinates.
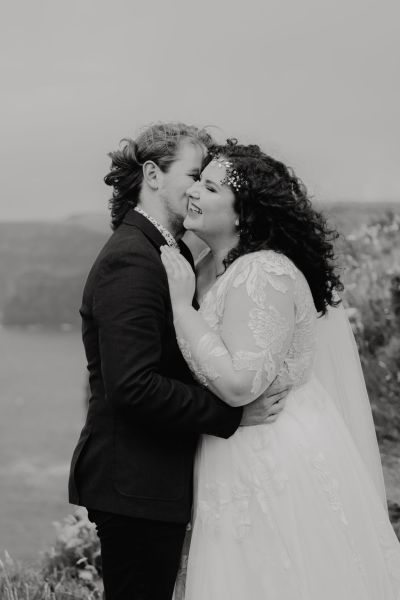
(260, 319)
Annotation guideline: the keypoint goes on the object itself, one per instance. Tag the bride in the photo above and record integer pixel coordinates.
(293, 510)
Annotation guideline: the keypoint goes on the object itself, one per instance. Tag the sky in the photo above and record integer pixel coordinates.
(314, 82)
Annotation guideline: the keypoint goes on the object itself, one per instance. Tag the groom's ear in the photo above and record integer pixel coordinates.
(151, 174)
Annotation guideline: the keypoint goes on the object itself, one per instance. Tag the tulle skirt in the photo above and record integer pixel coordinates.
(287, 511)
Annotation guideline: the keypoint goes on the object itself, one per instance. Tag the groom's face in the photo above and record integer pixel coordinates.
(180, 176)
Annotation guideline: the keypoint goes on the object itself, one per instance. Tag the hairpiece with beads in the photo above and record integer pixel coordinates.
(233, 177)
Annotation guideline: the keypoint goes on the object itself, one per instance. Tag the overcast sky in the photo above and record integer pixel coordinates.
(315, 82)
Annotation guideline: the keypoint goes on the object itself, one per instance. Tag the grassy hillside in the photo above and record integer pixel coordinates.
(61, 247)
(43, 251)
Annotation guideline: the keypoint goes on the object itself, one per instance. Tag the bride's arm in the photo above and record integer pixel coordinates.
(257, 328)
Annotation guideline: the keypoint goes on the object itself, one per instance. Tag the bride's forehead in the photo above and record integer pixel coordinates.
(215, 170)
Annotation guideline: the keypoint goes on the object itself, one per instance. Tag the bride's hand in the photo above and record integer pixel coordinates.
(181, 279)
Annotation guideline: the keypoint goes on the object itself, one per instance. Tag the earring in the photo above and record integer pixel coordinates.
(237, 222)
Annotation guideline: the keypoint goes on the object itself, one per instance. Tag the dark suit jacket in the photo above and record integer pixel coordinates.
(135, 453)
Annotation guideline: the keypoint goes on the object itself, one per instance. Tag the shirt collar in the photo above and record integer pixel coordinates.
(167, 235)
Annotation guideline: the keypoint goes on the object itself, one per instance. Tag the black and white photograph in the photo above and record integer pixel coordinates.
(200, 300)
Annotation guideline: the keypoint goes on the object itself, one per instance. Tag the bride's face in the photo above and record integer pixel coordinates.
(210, 207)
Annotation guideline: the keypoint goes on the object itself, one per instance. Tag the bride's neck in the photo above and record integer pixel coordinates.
(219, 253)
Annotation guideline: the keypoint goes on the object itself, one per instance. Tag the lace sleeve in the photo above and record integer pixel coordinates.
(240, 362)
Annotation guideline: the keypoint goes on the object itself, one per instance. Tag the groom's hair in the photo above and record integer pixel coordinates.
(159, 143)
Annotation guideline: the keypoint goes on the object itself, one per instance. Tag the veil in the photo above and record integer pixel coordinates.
(338, 369)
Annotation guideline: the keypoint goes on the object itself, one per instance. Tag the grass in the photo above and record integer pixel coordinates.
(70, 570)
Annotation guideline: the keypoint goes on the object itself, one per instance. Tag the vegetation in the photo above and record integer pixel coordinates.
(71, 570)
(370, 260)
(371, 256)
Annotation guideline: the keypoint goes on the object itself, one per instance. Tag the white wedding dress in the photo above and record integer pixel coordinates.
(288, 510)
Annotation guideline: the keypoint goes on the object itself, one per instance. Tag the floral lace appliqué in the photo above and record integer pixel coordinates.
(269, 328)
(329, 485)
(250, 361)
(259, 274)
(210, 345)
(203, 371)
(390, 550)
(265, 479)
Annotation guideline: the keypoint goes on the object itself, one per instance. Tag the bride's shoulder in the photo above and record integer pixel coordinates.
(270, 261)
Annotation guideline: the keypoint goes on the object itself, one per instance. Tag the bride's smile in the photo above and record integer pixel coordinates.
(194, 208)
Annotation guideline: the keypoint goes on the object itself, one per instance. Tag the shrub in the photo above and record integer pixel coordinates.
(70, 571)
(371, 260)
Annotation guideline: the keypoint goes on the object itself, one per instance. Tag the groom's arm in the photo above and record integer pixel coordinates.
(131, 306)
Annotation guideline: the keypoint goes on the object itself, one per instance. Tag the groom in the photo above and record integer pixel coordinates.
(132, 467)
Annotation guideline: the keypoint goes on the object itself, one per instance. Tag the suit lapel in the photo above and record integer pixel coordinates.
(150, 231)
(157, 239)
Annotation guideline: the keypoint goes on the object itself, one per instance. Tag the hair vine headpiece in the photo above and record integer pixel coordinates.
(233, 177)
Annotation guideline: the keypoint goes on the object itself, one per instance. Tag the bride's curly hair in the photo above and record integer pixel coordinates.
(275, 213)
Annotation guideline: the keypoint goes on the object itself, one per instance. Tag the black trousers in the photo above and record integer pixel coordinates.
(140, 557)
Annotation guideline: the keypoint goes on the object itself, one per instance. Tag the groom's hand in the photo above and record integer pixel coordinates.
(266, 408)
